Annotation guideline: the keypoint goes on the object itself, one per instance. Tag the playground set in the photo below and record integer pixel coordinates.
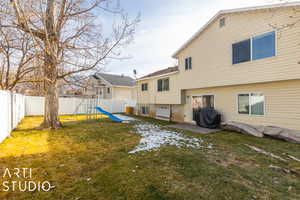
(92, 110)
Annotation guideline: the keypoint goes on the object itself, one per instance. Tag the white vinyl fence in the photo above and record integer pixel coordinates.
(13, 108)
(72, 105)
(12, 111)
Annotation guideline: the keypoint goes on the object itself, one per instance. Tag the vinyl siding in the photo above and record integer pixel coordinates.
(124, 93)
(152, 96)
(282, 103)
(212, 51)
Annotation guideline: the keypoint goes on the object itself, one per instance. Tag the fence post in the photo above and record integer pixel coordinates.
(11, 112)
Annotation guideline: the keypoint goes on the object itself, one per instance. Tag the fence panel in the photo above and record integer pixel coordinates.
(72, 105)
(11, 113)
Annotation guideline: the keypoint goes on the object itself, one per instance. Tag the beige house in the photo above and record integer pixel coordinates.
(244, 62)
(158, 94)
(111, 86)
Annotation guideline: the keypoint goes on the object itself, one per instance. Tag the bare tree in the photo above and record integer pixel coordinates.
(16, 59)
(71, 38)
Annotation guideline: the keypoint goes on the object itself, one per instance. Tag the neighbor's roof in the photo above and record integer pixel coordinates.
(161, 72)
(116, 80)
(221, 12)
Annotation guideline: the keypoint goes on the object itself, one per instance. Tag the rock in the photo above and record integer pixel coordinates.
(283, 134)
(288, 135)
(243, 128)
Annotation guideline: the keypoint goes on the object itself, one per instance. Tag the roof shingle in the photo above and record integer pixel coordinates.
(161, 72)
(117, 80)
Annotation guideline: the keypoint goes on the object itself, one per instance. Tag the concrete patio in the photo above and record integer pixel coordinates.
(194, 128)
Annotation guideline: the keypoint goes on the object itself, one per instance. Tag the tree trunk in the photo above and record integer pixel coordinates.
(51, 119)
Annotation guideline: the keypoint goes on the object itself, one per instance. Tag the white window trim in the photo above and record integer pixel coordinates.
(142, 87)
(148, 108)
(163, 85)
(189, 67)
(251, 47)
(250, 103)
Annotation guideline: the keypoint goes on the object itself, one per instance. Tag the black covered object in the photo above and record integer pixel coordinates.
(208, 118)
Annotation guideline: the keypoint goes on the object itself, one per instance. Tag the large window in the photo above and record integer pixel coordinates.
(259, 47)
(263, 46)
(163, 85)
(188, 63)
(251, 104)
(144, 86)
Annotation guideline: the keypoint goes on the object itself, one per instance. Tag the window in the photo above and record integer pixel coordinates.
(241, 52)
(257, 104)
(222, 22)
(243, 101)
(188, 63)
(108, 90)
(144, 86)
(263, 46)
(145, 110)
(163, 85)
(251, 104)
(259, 47)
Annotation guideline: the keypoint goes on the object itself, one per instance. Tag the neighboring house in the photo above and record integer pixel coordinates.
(111, 86)
(244, 63)
(158, 94)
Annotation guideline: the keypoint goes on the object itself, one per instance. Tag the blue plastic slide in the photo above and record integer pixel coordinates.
(111, 116)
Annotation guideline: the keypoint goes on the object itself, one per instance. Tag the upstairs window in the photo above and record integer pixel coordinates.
(163, 85)
(222, 22)
(241, 51)
(144, 86)
(263, 46)
(188, 63)
(259, 47)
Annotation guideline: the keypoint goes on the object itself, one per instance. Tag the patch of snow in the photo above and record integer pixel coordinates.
(153, 137)
(125, 118)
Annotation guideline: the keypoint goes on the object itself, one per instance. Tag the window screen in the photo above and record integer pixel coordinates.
(190, 62)
(257, 104)
(241, 52)
(159, 85)
(166, 85)
(263, 46)
(243, 103)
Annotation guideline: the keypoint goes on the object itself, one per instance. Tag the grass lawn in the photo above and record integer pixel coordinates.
(89, 160)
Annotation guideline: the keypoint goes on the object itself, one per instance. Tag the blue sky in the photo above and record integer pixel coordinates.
(165, 25)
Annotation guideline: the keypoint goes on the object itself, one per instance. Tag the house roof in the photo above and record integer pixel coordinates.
(116, 80)
(222, 12)
(161, 72)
